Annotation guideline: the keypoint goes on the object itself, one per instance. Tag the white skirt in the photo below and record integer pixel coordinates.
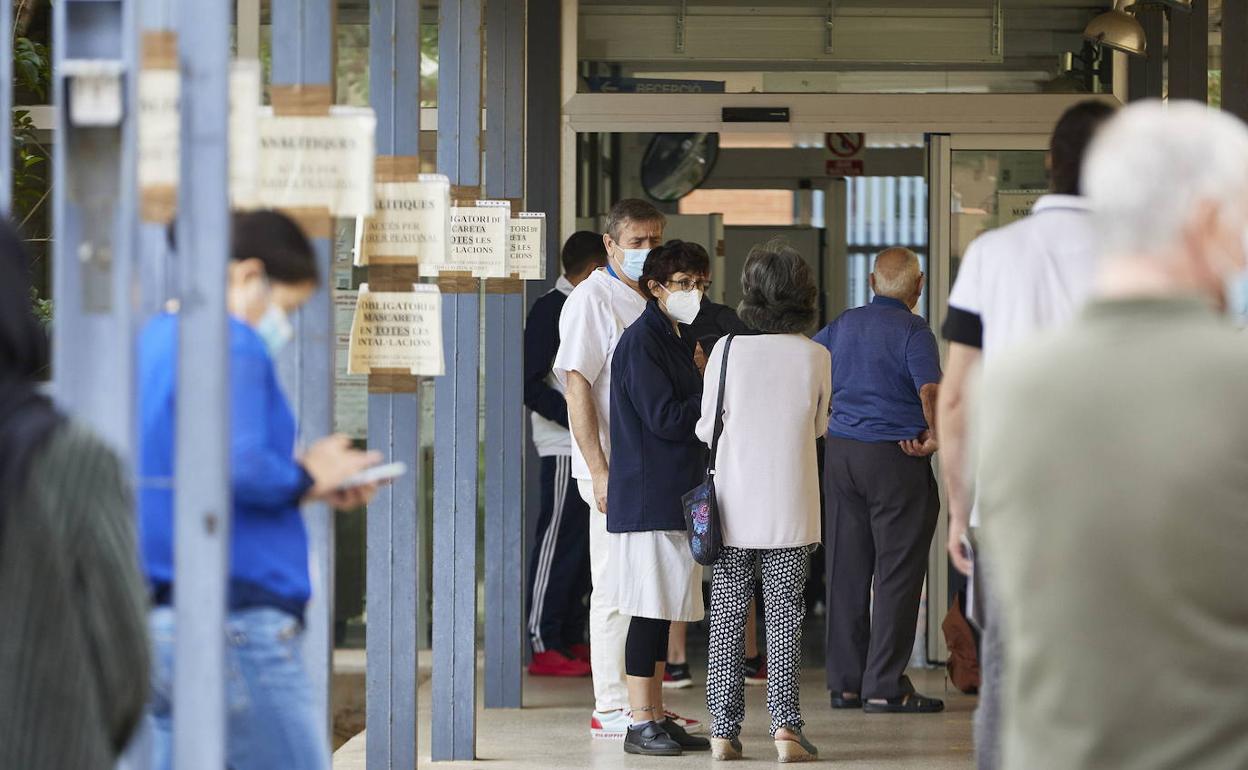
(653, 575)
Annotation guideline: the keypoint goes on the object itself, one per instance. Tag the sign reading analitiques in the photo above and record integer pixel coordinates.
(479, 237)
(526, 255)
(398, 330)
(317, 161)
(410, 224)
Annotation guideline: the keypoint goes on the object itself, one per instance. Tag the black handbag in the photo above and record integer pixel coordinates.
(700, 503)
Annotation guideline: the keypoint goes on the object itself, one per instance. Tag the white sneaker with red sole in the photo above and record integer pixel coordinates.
(610, 725)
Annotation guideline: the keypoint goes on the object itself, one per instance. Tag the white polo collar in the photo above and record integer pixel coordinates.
(1053, 201)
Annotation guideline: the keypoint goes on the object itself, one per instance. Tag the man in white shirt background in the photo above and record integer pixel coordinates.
(559, 569)
(593, 319)
(1014, 281)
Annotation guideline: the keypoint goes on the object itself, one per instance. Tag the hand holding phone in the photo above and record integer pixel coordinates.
(377, 474)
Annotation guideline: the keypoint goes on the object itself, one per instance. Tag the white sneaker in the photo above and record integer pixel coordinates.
(611, 725)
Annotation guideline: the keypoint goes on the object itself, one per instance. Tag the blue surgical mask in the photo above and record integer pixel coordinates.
(275, 329)
(634, 262)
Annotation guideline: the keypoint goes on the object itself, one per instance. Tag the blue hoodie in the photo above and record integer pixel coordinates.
(269, 545)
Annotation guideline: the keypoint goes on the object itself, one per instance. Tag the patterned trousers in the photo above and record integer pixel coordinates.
(732, 586)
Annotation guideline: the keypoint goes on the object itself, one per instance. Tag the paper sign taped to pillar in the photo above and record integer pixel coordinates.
(410, 223)
(479, 237)
(159, 129)
(398, 330)
(350, 390)
(246, 93)
(317, 161)
(526, 254)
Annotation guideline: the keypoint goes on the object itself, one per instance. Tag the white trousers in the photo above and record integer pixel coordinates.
(608, 627)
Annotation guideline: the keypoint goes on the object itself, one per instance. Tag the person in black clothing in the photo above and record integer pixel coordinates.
(559, 570)
(714, 321)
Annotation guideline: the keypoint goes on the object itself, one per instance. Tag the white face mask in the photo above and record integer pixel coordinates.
(275, 329)
(683, 306)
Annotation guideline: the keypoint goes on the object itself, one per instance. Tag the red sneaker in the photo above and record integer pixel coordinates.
(579, 652)
(555, 663)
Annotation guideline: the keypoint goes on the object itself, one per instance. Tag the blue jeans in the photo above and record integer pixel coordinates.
(270, 715)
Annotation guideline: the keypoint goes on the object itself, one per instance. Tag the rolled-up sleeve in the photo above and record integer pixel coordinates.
(585, 329)
(963, 321)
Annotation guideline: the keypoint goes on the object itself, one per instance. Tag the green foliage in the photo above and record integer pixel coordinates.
(32, 80)
(41, 306)
(32, 66)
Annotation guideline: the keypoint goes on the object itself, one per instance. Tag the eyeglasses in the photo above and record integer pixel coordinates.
(691, 285)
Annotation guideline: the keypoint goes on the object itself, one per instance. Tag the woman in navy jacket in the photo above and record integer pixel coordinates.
(656, 399)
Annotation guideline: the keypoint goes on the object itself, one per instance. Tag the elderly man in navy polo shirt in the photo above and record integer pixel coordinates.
(882, 501)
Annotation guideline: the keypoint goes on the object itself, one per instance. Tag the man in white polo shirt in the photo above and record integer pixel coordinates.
(595, 315)
(1014, 281)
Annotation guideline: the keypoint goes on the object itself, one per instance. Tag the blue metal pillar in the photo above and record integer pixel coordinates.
(93, 202)
(202, 471)
(154, 256)
(543, 106)
(456, 401)
(504, 377)
(303, 74)
(394, 423)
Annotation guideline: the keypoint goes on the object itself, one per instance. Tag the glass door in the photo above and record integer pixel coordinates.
(977, 183)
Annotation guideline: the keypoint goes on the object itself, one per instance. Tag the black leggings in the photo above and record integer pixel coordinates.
(646, 645)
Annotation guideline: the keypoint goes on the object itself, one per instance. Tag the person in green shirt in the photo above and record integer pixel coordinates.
(1113, 470)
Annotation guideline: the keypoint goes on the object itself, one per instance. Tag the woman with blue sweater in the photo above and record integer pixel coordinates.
(656, 397)
(272, 719)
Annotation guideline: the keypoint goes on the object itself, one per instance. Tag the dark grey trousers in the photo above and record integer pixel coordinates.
(880, 515)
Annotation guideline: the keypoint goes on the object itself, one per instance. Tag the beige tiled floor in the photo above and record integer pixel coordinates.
(551, 731)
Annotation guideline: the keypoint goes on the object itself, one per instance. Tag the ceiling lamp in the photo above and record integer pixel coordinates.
(1118, 30)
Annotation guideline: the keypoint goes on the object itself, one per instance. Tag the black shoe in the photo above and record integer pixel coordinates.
(839, 701)
(687, 742)
(906, 704)
(677, 676)
(650, 739)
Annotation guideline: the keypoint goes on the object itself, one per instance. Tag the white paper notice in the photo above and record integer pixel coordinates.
(245, 95)
(318, 162)
(410, 223)
(159, 127)
(526, 255)
(350, 390)
(398, 330)
(479, 237)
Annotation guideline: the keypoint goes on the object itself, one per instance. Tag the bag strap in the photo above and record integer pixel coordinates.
(719, 406)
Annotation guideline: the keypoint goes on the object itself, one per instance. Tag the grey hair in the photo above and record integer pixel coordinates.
(779, 290)
(631, 210)
(1153, 164)
(897, 283)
